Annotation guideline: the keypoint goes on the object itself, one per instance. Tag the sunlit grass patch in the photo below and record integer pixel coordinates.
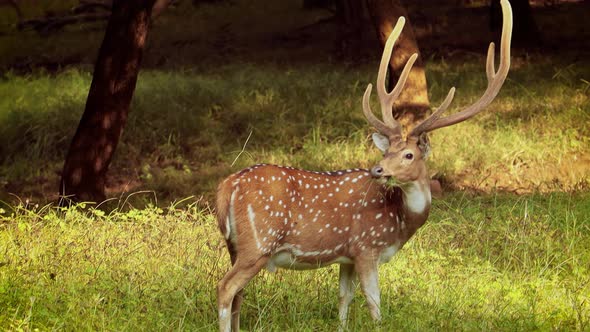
(91, 270)
(501, 262)
(496, 263)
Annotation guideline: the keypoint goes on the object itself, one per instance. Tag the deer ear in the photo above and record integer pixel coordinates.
(381, 142)
(424, 145)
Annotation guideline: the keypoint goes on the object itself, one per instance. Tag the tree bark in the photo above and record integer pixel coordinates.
(107, 105)
(159, 7)
(13, 4)
(350, 19)
(413, 104)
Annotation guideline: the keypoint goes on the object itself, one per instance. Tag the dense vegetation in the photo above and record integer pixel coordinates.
(506, 248)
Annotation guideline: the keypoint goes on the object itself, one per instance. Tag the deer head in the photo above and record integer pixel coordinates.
(404, 159)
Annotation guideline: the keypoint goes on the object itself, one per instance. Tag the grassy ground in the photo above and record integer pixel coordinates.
(494, 262)
(186, 128)
(506, 248)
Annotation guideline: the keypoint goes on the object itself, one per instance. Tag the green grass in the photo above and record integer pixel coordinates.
(187, 127)
(497, 262)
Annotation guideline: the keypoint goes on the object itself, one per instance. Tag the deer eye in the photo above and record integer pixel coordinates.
(409, 156)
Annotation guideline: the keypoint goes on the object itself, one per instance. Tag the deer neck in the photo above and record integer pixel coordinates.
(416, 199)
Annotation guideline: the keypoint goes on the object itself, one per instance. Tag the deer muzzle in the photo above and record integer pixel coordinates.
(377, 172)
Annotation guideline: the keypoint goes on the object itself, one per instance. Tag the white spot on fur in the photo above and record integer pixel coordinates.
(223, 313)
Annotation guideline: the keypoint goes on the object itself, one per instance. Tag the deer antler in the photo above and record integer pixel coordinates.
(495, 81)
(389, 126)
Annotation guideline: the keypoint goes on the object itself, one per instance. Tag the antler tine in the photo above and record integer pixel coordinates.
(425, 125)
(490, 67)
(387, 99)
(378, 124)
(389, 125)
(495, 81)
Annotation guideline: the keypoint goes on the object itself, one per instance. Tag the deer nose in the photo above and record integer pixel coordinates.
(377, 171)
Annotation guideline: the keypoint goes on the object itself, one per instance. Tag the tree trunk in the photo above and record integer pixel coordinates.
(107, 106)
(15, 6)
(350, 19)
(159, 7)
(525, 33)
(413, 104)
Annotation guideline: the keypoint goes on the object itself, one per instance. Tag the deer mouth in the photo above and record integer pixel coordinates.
(388, 181)
(391, 182)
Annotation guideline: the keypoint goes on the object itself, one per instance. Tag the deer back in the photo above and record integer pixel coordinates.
(318, 217)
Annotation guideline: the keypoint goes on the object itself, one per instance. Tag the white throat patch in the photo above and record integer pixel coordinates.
(416, 197)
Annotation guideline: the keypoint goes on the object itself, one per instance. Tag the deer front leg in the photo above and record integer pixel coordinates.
(347, 277)
(369, 278)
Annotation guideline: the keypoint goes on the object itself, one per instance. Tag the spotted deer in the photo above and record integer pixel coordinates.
(283, 217)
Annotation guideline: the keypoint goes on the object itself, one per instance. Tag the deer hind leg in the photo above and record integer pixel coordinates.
(369, 278)
(231, 286)
(239, 297)
(347, 286)
(236, 305)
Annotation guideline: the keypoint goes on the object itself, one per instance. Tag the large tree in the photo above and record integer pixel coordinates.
(107, 105)
(413, 104)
